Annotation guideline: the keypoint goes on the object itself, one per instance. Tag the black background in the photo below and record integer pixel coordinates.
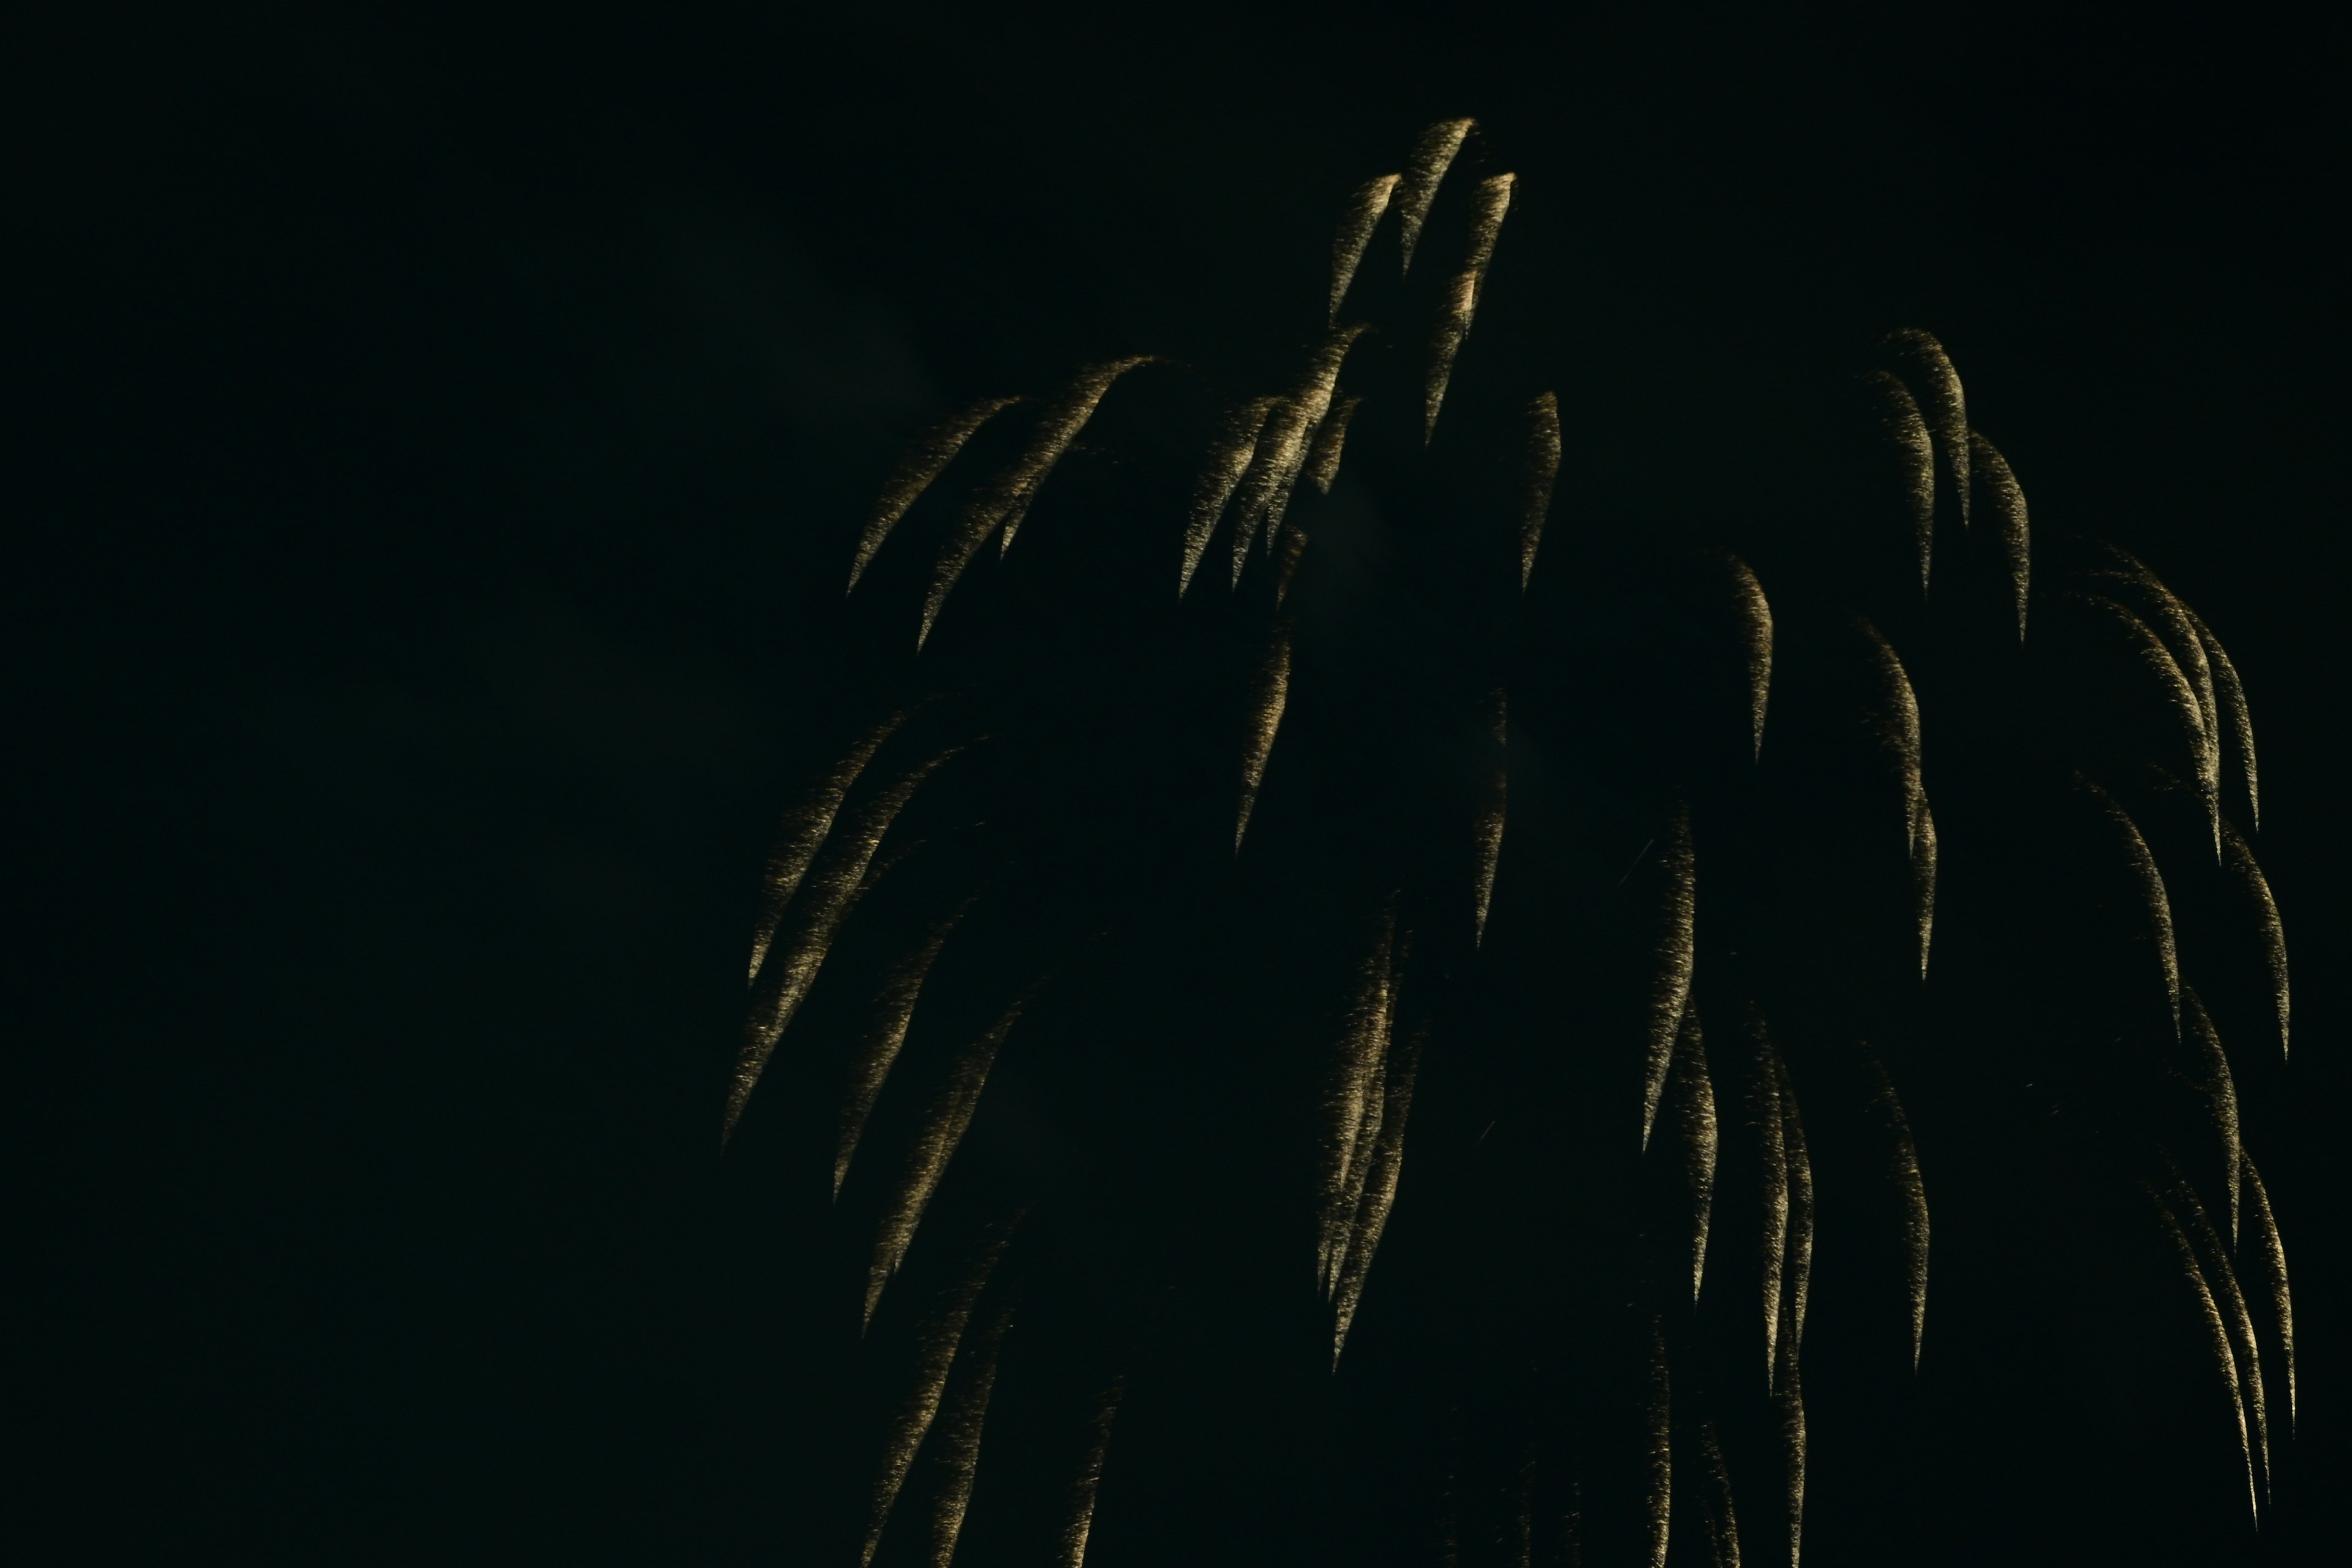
(432, 430)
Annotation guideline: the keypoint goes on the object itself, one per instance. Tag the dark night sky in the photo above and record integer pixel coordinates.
(425, 427)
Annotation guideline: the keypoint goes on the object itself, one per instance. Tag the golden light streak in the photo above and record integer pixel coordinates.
(1432, 154)
(1491, 817)
(2240, 1321)
(2232, 694)
(1330, 440)
(2273, 1252)
(1072, 1552)
(1493, 200)
(1899, 415)
(1799, 1267)
(2221, 1091)
(894, 1010)
(1229, 458)
(925, 460)
(1005, 499)
(1387, 1166)
(1542, 477)
(1756, 641)
(2220, 1335)
(943, 1128)
(1898, 729)
(2159, 904)
(1913, 1189)
(1701, 1140)
(934, 1358)
(1662, 1448)
(805, 828)
(960, 1429)
(2238, 855)
(1355, 233)
(2172, 648)
(2005, 499)
(1351, 1103)
(1266, 721)
(1947, 412)
(1722, 1517)
(836, 886)
(1283, 443)
(1792, 1400)
(1677, 953)
(1773, 1148)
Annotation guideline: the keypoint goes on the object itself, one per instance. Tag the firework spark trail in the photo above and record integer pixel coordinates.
(2219, 1333)
(1661, 1446)
(1355, 233)
(1289, 553)
(935, 1358)
(2240, 1321)
(1230, 456)
(805, 834)
(2238, 855)
(2157, 902)
(1330, 440)
(1772, 1148)
(1792, 1400)
(1432, 154)
(1722, 1517)
(960, 1427)
(1265, 720)
(1799, 1268)
(894, 1010)
(1492, 815)
(1283, 443)
(2221, 1091)
(1349, 1101)
(1899, 413)
(2177, 661)
(1947, 412)
(1005, 499)
(943, 1128)
(1084, 1489)
(1756, 641)
(1897, 720)
(925, 460)
(1670, 992)
(2274, 1267)
(1494, 200)
(1380, 1191)
(1914, 1191)
(1543, 475)
(2232, 694)
(1701, 1140)
(2007, 500)
(836, 885)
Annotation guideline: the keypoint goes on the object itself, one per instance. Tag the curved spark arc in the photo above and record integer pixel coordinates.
(1914, 1191)
(1432, 154)
(926, 459)
(1772, 1146)
(1700, 1135)
(1354, 1108)
(1899, 413)
(935, 1359)
(1946, 415)
(1330, 442)
(1492, 815)
(1365, 208)
(942, 1131)
(1492, 201)
(2232, 694)
(961, 1426)
(878, 1052)
(1543, 475)
(2238, 858)
(1798, 1265)
(2221, 1091)
(2007, 500)
(1387, 1167)
(1756, 639)
(1229, 457)
(2273, 1252)
(1266, 722)
(1670, 991)
(837, 886)
(2218, 1332)
(1660, 1455)
(1072, 1552)
(1722, 1517)
(2156, 900)
(1897, 722)
(2236, 1318)
(2192, 708)
(805, 830)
